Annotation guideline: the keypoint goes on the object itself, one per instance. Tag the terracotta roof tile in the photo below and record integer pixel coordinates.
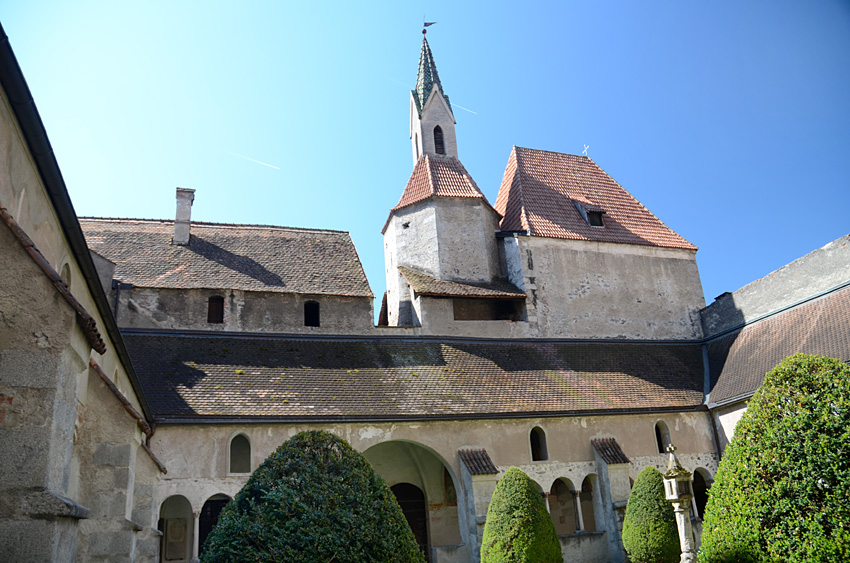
(223, 376)
(246, 257)
(424, 284)
(478, 462)
(539, 189)
(609, 450)
(739, 360)
(438, 176)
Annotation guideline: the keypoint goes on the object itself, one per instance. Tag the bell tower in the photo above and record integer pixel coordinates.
(432, 123)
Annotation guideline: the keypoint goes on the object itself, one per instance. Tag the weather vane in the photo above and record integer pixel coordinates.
(584, 152)
(426, 24)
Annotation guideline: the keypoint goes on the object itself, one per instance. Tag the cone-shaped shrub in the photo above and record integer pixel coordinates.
(781, 491)
(518, 527)
(314, 499)
(649, 528)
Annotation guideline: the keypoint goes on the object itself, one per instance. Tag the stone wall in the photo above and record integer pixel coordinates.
(244, 311)
(816, 272)
(582, 289)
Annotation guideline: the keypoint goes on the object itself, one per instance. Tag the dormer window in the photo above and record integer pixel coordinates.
(439, 145)
(594, 218)
(591, 214)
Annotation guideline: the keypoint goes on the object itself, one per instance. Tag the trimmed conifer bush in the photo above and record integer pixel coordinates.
(649, 528)
(781, 491)
(314, 499)
(518, 527)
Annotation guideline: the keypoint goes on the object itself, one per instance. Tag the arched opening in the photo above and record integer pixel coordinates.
(66, 274)
(311, 313)
(538, 445)
(240, 455)
(702, 483)
(177, 524)
(215, 309)
(209, 518)
(586, 496)
(562, 506)
(439, 145)
(662, 436)
(411, 499)
(402, 462)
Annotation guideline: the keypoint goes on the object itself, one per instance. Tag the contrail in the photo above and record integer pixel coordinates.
(256, 161)
(454, 105)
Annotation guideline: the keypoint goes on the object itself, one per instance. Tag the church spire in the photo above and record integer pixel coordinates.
(432, 122)
(427, 77)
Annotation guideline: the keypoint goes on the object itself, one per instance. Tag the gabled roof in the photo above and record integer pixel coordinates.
(427, 78)
(423, 284)
(538, 194)
(739, 360)
(219, 256)
(438, 176)
(206, 376)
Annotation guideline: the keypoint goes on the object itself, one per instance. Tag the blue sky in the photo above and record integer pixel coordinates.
(729, 120)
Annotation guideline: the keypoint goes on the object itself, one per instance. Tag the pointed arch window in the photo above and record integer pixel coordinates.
(439, 144)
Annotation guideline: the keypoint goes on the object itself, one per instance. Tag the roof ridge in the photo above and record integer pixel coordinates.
(214, 224)
(554, 152)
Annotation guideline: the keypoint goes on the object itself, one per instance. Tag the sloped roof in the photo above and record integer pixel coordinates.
(424, 284)
(438, 176)
(539, 189)
(210, 376)
(219, 256)
(609, 450)
(427, 78)
(738, 361)
(478, 462)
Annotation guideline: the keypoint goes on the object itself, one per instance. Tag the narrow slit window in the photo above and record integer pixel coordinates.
(215, 309)
(311, 313)
(439, 145)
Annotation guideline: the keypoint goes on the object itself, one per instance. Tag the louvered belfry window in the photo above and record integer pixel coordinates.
(439, 145)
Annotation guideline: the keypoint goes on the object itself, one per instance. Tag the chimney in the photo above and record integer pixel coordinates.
(182, 224)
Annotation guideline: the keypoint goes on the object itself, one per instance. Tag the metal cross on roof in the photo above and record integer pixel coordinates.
(584, 152)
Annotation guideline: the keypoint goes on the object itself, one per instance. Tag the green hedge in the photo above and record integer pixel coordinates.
(649, 528)
(518, 527)
(782, 491)
(314, 499)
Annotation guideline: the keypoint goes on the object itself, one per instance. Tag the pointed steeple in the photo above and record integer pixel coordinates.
(427, 78)
(432, 122)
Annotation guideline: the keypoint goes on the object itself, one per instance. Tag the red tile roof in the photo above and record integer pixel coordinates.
(424, 284)
(220, 256)
(438, 176)
(538, 194)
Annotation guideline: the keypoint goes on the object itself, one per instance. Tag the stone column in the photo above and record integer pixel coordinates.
(686, 534)
(196, 517)
(579, 515)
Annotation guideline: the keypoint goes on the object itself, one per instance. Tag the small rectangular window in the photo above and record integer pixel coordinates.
(215, 310)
